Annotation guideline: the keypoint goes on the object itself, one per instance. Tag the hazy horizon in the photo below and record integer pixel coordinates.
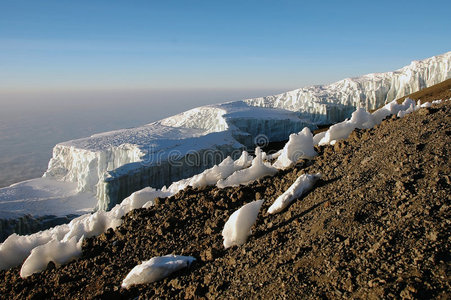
(31, 123)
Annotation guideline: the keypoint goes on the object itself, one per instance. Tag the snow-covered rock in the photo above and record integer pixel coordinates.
(299, 146)
(303, 184)
(156, 269)
(238, 226)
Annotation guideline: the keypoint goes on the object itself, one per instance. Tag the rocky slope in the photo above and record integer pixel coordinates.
(376, 226)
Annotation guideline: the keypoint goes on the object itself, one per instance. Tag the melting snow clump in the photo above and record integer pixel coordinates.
(211, 176)
(156, 269)
(298, 146)
(303, 184)
(56, 251)
(238, 226)
(258, 169)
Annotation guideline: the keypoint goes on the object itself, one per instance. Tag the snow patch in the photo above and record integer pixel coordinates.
(156, 269)
(257, 170)
(303, 184)
(211, 176)
(238, 226)
(298, 146)
(57, 251)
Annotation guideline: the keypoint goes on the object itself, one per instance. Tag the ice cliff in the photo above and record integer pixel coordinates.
(112, 165)
(328, 104)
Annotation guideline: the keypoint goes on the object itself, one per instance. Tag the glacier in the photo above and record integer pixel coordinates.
(328, 104)
(98, 172)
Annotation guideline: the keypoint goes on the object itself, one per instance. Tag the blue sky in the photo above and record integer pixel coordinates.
(83, 45)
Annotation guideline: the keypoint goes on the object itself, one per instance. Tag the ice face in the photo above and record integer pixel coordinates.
(327, 104)
(113, 165)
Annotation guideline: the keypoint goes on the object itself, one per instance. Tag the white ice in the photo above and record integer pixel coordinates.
(332, 103)
(106, 164)
(16, 248)
(238, 226)
(211, 176)
(59, 252)
(359, 119)
(363, 120)
(156, 269)
(298, 146)
(44, 196)
(258, 169)
(303, 184)
(85, 164)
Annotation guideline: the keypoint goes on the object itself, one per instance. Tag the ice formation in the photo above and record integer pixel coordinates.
(114, 164)
(16, 248)
(211, 176)
(156, 269)
(328, 104)
(364, 120)
(110, 166)
(238, 226)
(55, 251)
(303, 184)
(298, 146)
(258, 169)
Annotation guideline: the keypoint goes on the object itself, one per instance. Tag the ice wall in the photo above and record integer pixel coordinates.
(113, 165)
(327, 104)
(28, 224)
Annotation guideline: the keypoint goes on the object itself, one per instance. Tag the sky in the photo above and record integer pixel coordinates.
(63, 45)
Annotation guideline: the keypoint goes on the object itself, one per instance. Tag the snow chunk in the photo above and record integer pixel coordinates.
(156, 269)
(276, 155)
(211, 176)
(142, 198)
(16, 248)
(238, 226)
(391, 108)
(317, 137)
(298, 146)
(359, 119)
(56, 251)
(258, 169)
(303, 184)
